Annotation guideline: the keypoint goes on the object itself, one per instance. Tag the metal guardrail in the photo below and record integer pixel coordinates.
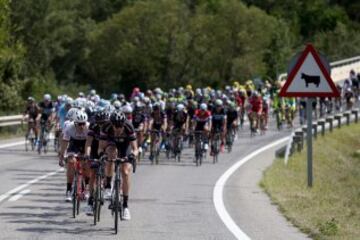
(10, 120)
(339, 71)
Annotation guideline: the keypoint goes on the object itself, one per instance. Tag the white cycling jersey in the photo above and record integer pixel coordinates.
(70, 132)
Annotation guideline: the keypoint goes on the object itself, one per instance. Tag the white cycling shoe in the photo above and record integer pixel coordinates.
(89, 210)
(68, 197)
(126, 214)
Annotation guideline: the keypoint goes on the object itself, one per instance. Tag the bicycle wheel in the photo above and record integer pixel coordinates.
(79, 194)
(74, 196)
(116, 205)
(26, 144)
(96, 204)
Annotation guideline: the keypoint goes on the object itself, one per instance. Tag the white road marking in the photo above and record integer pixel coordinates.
(19, 195)
(219, 188)
(13, 191)
(12, 144)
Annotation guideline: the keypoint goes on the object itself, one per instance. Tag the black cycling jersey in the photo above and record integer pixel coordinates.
(218, 118)
(159, 119)
(179, 119)
(33, 111)
(232, 115)
(47, 110)
(122, 141)
(138, 118)
(94, 131)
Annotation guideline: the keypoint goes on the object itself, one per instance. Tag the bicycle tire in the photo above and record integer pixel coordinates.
(78, 196)
(96, 204)
(74, 196)
(116, 205)
(26, 144)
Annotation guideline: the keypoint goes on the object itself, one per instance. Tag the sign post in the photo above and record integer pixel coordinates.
(309, 141)
(309, 77)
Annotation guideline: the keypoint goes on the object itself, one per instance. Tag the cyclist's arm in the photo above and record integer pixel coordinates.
(63, 146)
(89, 140)
(134, 148)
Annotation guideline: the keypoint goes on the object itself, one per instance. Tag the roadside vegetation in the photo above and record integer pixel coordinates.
(113, 45)
(331, 209)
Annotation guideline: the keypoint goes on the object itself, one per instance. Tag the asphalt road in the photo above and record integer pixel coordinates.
(167, 201)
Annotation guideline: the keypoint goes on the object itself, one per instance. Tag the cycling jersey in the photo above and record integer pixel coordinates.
(62, 115)
(33, 111)
(158, 119)
(138, 119)
(179, 119)
(218, 119)
(75, 138)
(201, 118)
(121, 141)
(47, 110)
(94, 131)
(256, 104)
(232, 116)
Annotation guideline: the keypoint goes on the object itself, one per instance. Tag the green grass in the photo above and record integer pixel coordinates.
(331, 209)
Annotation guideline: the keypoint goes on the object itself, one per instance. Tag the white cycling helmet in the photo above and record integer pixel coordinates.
(71, 114)
(203, 106)
(117, 104)
(218, 102)
(80, 117)
(180, 107)
(47, 97)
(127, 109)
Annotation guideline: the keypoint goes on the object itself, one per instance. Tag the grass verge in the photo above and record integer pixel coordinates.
(331, 209)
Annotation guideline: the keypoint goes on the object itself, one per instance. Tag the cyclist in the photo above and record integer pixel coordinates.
(138, 122)
(232, 116)
(180, 122)
(91, 149)
(32, 111)
(290, 109)
(117, 136)
(158, 123)
(218, 123)
(255, 110)
(73, 143)
(202, 122)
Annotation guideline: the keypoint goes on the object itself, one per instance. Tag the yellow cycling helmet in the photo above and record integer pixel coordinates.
(188, 87)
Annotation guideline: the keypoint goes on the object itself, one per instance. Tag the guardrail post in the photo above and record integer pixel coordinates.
(314, 127)
(330, 121)
(356, 113)
(297, 140)
(347, 115)
(338, 118)
(322, 124)
(300, 134)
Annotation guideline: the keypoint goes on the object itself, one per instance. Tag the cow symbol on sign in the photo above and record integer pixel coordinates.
(310, 79)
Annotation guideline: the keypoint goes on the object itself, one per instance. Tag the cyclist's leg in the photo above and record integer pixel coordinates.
(70, 171)
(126, 170)
(111, 152)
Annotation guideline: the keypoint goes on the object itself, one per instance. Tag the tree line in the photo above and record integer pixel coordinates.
(113, 45)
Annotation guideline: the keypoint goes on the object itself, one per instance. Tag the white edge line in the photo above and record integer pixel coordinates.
(19, 195)
(12, 144)
(25, 185)
(219, 188)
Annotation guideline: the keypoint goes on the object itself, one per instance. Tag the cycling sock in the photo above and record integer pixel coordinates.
(125, 203)
(108, 182)
(68, 187)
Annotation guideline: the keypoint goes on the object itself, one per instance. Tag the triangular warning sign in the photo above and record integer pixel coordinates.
(309, 78)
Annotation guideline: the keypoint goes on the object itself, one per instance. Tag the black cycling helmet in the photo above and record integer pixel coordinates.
(117, 118)
(102, 116)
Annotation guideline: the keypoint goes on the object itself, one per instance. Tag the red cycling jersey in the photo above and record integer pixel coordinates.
(202, 116)
(256, 104)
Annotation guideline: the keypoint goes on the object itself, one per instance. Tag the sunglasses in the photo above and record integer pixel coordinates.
(81, 124)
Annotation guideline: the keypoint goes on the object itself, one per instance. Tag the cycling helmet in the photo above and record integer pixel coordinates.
(80, 117)
(109, 108)
(113, 96)
(255, 93)
(71, 114)
(180, 107)
(127, 109)
(218, 102)
(117, 105)
(31, 99)
(102, 116)
(117, 118)
(81, 94)
(69, 101)
(47, 97)
(203, 106)
(92, 92)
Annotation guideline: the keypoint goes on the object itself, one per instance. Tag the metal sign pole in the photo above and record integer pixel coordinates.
(309, 141)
